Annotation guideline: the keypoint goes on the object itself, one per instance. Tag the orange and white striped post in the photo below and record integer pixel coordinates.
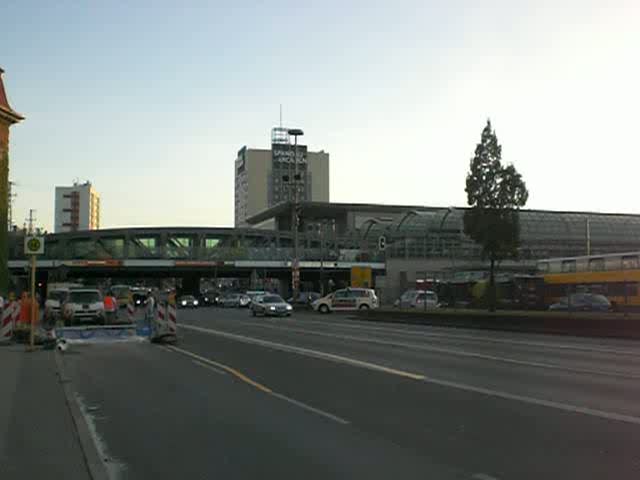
(6, 324)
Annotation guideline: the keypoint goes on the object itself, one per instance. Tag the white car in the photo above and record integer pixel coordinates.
(270, 305)
(83, 306)
(53, 303)
(347, 299)
(417, 299)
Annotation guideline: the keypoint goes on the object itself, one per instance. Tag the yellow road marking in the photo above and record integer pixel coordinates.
(221, 366)
(213, 365)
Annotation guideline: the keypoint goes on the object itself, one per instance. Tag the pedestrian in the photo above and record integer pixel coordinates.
(110, 307)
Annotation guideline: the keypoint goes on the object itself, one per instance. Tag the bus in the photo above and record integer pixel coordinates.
(616, 276)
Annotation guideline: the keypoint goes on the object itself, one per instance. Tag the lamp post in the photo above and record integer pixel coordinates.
(295, 270)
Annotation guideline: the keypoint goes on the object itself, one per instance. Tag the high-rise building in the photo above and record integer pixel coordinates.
(77, 208)
(265, 178)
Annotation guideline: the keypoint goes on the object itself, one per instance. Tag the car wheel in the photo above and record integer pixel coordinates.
(323, 308)
(364, 307)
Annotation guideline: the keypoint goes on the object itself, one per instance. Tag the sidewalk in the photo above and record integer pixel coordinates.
(37, 434)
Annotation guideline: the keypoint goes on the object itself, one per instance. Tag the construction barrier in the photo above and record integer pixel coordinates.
(98, 333)
(131, 309)
(171, 318)
(163, 322)
(6, 324)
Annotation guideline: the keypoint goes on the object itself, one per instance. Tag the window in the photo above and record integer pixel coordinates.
(596, 264)
(341, 294)
(543, 267)
(568, 266)
(630, 262)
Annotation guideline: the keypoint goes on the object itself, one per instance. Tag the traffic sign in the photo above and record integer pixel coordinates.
(34, 245)
(382, 242)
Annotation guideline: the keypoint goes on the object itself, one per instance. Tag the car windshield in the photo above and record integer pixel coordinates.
(272, 299)
(84, 297)
(57, 295)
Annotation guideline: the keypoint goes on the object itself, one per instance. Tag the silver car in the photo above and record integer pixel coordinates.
(273, 305)
(417, 299)
(231, 300)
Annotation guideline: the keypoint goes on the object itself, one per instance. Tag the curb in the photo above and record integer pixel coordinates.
(95, 466)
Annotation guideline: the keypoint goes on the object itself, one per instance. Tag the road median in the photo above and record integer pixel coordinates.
(612, 325)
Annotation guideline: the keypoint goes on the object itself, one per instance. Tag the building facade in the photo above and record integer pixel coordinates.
(265, 178)
(8, 117)
(423, 242)
(77, 208)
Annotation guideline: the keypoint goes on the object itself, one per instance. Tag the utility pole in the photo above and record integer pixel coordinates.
(295, 268)
(31, 220)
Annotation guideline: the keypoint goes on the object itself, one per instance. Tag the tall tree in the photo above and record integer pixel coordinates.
(495, 193)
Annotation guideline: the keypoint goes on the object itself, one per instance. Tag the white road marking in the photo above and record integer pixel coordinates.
(307, 352)
(310, 408)
(461, 353)
(208, 363)
(445, 383)
(209, 367)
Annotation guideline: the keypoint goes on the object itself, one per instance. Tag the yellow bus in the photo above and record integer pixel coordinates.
(616, 276)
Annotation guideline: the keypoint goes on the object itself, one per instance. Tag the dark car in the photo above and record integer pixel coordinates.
(304, 299)
(188, 301)
(206, 299)
(582, 302)
(139, 298)
(270, 304)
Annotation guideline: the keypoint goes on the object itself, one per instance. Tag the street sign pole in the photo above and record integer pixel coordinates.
(33, 302)
(33, 245)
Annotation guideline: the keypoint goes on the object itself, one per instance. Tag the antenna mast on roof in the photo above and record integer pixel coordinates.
(280, 115)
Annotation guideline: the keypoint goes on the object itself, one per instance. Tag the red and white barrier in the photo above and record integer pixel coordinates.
(163, 327)
(171, 319)
(131, 311)
(6, 324)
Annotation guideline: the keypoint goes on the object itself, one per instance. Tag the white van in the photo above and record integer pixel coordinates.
(347, 299)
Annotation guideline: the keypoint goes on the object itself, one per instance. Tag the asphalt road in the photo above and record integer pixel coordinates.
(329, 397)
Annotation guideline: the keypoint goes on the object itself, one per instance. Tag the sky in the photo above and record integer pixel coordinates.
(151, 100)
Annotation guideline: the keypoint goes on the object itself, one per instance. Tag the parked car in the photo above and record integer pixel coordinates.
(347, 299)
(83, 306)
(304, 299)
(53, 304)
(582, 302)
(417, 299)
(188, 301)
(270, 304)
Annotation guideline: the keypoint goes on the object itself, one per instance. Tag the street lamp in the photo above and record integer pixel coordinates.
(295, 271)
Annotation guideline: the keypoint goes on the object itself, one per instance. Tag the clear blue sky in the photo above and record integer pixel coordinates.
(151, 102)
